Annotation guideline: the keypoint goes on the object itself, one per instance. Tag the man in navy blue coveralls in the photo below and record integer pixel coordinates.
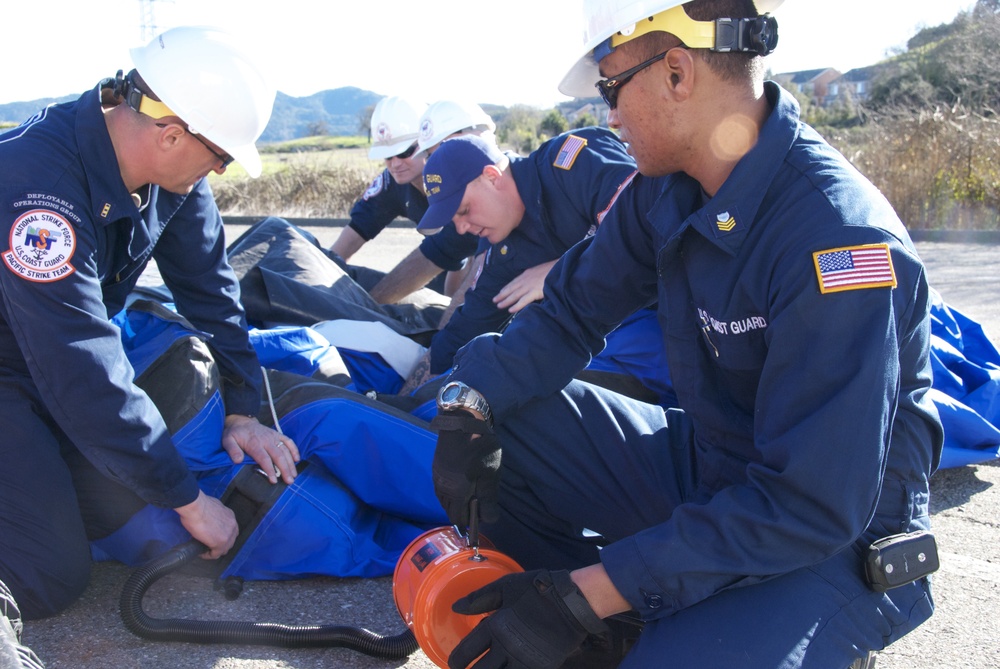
(530, 210)
(387, 199)
(795, 315)
(91, 191)
(397, 125)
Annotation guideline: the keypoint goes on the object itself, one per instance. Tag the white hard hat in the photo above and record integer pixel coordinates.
(395, 126)
(446, 117)
(604, 18)
(213, 85)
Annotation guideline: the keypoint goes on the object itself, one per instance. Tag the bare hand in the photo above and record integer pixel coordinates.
(276, 454)
(211, 522)
(523, 290)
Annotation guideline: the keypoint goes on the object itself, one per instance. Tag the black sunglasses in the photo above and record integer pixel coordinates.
(610, 87)
(405, 154)
(224, 158)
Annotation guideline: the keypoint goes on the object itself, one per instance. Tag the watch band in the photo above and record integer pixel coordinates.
(457, 395)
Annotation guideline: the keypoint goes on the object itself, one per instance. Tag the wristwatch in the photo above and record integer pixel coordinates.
(456, 395)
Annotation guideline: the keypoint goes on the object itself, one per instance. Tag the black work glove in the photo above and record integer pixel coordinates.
(540, 618)
(465, 467)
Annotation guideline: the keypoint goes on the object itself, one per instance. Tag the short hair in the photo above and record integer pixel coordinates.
(731, 65)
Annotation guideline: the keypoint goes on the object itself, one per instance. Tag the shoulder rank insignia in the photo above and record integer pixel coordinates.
(854, 267)
(570, 149)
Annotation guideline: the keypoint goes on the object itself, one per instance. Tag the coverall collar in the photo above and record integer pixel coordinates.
(529, 187)
(725, 219)
(109, 197)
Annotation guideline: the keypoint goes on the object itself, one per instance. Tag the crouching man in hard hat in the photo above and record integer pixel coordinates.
(403, 134)
(92, 190)
(777, 521)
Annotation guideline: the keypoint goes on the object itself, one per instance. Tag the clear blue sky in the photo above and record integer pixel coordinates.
(503, 52)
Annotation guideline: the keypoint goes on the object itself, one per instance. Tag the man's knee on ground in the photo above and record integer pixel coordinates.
(43, 590)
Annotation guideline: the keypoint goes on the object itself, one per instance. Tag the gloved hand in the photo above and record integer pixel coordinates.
(466, 466)
(540, 618)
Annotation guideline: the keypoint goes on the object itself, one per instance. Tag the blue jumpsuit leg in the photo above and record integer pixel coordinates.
(563, 480)
(44, 553)
(587, 458)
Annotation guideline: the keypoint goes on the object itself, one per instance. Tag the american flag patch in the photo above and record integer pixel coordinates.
(854, 267)
(571, 148)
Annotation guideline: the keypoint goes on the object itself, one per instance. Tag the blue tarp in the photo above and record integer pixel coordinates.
(966, 368)
(365, 496)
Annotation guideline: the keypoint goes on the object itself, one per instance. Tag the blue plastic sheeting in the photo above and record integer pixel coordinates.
(966, 368)
(365, 496)
(298, 350)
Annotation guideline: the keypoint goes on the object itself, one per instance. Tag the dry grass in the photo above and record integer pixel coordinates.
(321, 183)
(298, 191)
(940, 169)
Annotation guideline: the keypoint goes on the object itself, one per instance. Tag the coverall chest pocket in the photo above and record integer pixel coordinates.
(116, 264)
(736, 343)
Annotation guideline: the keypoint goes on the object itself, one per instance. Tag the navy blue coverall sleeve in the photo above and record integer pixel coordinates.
(506, 368)
(448, 248)
(385, 201)
(191, 257)
(75, 358)
(378, 207)
(478, 314)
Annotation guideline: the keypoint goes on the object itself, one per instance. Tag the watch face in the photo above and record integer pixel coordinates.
(451, 393)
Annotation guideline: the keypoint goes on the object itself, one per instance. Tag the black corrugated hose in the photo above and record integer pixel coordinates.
(261, 634)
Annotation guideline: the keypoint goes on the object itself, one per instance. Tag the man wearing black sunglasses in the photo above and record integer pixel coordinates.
(92, 191)
(398, 192)
(754, 527)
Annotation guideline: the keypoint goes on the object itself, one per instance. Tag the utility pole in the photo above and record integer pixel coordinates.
(148, 26)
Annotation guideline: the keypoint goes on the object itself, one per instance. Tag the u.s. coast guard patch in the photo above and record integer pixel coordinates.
(376, 187)
(42, 243)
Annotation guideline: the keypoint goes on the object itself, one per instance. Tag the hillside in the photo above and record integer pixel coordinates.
(334, 112)
(16, 112)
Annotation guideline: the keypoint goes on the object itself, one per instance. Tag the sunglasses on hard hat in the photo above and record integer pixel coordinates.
(610, 87)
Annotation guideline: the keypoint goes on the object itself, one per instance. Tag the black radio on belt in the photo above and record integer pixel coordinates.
(900, 559)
